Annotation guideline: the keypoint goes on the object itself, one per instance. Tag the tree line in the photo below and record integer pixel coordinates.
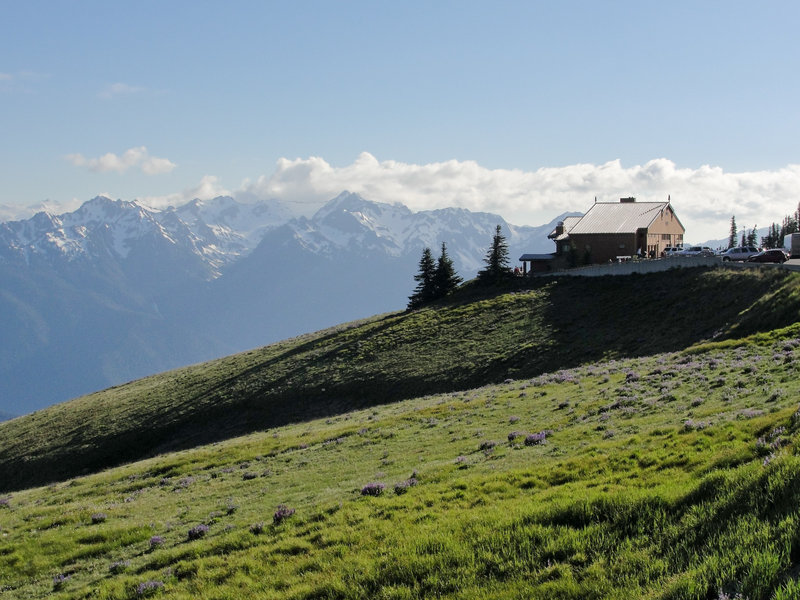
(437, 279)
(775, 232)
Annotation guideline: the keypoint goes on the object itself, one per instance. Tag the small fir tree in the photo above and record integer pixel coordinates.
(752, 237)
(496, 260)
(445, 278)
(732, 235)
(425, 290)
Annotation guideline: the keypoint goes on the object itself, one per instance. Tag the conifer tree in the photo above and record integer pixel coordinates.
(732, 235)
(425, 290)
(752, 237)
(445, 279)
(496, 260)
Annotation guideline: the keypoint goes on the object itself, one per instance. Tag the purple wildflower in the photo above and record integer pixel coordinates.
(148, 587)
(401, 487)
(534, 439)
(282, 513)
(373, 489)
(257, 528)
(514, 435)
(99, 518)
(156, 541)
(119, 566)
(59, 581)
(198, 531)
(5, 502)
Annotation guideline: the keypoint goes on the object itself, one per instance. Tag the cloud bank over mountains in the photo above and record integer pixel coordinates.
(705, 198)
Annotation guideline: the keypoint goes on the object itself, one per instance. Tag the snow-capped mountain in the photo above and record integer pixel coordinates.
(116, 290)
(351, 222)
(217, 232)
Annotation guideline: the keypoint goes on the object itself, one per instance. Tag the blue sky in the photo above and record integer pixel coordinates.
(522, 108)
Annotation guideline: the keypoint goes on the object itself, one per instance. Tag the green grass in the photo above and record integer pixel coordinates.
(670, 476)
(670, 469)
(476, 338)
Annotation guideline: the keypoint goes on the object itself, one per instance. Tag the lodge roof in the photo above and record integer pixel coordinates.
(618, 217)
(568, 223)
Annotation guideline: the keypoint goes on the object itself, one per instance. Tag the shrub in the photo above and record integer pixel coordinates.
(99, 518)
(198, 531)
(282, 513)
(373, 489)
(487, 445)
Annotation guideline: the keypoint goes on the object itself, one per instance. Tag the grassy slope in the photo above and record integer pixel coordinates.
(672, 476)
(468, 342)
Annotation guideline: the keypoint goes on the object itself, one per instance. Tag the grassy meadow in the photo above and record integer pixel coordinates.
(606, 472)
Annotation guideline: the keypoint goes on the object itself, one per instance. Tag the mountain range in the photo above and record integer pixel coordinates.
(116, 290)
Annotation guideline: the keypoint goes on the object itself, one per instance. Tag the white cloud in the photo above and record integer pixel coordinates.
(208, 188)
(704, 198)
(119, 89)
(131, 158)
(5, 77)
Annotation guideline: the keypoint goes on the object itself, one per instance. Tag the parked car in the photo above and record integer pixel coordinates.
(696, 251)
(739, 253)
(671, 251)
(774, 255)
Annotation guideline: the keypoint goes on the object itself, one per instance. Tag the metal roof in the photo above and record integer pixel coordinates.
(618, 217)
(569, 223)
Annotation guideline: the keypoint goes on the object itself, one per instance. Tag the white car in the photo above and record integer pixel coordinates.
(671, 251)
(696, 251)
(739, 253)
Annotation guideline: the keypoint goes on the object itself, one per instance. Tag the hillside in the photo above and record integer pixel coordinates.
(473, 340)
(115, 291)
(671, 475)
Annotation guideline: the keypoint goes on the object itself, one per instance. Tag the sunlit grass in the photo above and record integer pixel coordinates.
(668, 476)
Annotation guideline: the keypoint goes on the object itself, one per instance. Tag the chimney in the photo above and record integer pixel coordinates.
(627, 200)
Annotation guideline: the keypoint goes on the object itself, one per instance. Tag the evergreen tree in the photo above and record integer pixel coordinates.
(732, 236)
(496, 260)
(425, 290)
(445, 279)
(752, 236)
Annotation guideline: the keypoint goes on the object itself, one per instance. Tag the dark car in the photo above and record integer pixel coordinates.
(775, 255)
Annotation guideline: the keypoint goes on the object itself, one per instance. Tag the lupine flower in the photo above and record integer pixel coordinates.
(156, 541)
(284, 512)
(373, 489)
(533, 439)
(401, 487)
(198, 531)
(148, 587)
(99, 518)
